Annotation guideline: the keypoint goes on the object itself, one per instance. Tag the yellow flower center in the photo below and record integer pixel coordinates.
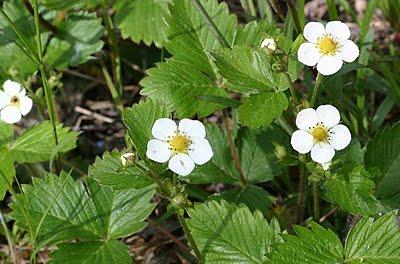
(327, 45)
(179, 143)
(320, 133)
(14, 101)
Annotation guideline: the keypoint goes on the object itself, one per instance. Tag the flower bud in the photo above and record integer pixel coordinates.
(128, 159)
(280, 151)
(269, 44)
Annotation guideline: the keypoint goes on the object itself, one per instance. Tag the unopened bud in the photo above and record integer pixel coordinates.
(269, 44)
(128, 159)
(280, 151)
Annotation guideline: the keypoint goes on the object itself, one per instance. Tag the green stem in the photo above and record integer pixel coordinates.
(296, 19)
(284, 124)
(301, 202)
(189, 237)
(9, 241)
(316, 201)
(211, 23)
(292, 90)
(47, 91)
(113, 90)
(316, 88)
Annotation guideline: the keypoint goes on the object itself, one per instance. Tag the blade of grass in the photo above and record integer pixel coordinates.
(333, 14)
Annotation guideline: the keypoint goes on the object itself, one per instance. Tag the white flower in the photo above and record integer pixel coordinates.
(269, 43)
(320, 132)
(14, 103)
(128, 159)
(183, 145)
(327, 46)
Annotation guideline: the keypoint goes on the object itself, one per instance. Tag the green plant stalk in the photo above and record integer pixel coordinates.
(116, 58)
(316, 88)
(47, 91)
(301, 202)
(284, 124)
(296, 19)
(9, 240)
(189, 237)
(316, 201)
(113, 90)
(292, 90)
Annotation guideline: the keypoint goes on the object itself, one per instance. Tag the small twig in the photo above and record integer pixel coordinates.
(331, 212)
(84, 76)
(95, 115)
(168, 234)
(42, 21)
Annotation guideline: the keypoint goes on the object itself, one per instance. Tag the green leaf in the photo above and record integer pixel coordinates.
(254, 197)
(254, 32)
(374, 242)
(37, 143)
(143, 20)
(226, 233)
(7, 171)
(178, 85)
(59, 209)
(11, 56)
(108, 171)
(78, 38)
(315, 245)
(227, 102)
(190, 38)
(261, 109)
(139, 120)
(383, 155)
(70, 4)
(6, 133)
(107, 252)
(246, 69)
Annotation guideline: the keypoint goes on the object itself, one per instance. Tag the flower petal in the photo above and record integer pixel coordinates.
(328, 115)
(163, 128)
(349, 51)
(313, 30)
(192, 128)
(10, 114)
(181, 164)
(306, 119)
(308, 54)
(339, 137)
(4, 99)
(11, 88)
(302, 141)
(338, 29)
(329, 65)
(200, 151)
(158, 151)
(26, 104)
(322, 153)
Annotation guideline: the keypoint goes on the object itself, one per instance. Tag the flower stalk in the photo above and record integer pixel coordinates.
(316, 88)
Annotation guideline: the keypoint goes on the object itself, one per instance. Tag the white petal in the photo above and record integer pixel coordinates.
(328, 115)
(308, 54)
(306, 119)
(181, 164)
(22, 93)
(329, 65)
(163, 128)
(349, 51)
(302, 141)
(192, 128)
(200, 151)
(322, 153)
(326, 165)
(338, 29)
(12, 88)
(4, 99)
(339, 137)
(10, 114)
(158, 151)
(313, 30)
(25, 105)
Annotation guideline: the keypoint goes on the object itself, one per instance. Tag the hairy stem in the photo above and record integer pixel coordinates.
(47, 91)
(316, 201)
(233, 149)
(189, 237)
(316, 88)
(301, 202)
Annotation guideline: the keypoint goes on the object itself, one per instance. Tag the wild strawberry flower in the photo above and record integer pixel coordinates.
(183, 145)
(14, 103)
(320, 132)
(327, 47)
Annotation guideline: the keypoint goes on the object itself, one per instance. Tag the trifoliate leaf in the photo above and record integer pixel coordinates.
(226, 233)
(254, 197)
(139, 120)
(108, 171)
(37, 143)
(78, 38)
(7, 171)
(191, 38)
(143, 20)
(261, 109)
(382, 159)
(178, 85)
(6, 133)
(99, 252)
